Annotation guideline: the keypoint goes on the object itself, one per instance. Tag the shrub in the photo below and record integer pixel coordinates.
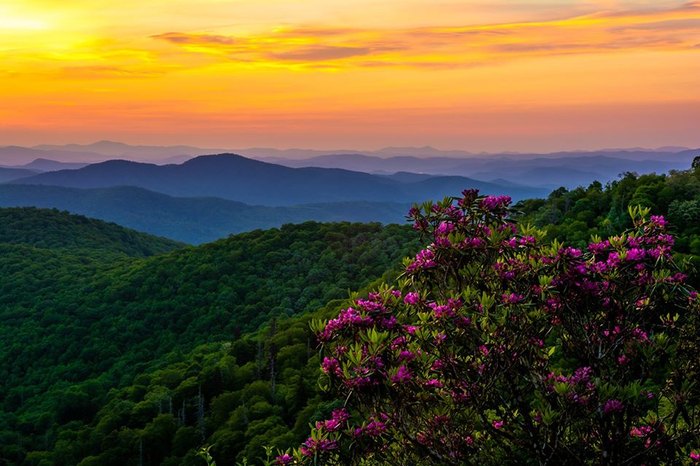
(495, 348)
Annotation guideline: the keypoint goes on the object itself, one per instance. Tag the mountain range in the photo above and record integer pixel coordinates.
(191, 220)
(551, 170)
(569, 169)
(233, 177)
(203, 198)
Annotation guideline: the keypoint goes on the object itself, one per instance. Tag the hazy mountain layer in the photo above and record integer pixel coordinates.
(250, 181)
(569, 169)
(192, 220)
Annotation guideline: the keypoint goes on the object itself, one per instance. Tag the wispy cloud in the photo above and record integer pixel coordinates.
(320, 53)
(448, 47)
(106, 71)
(681, 24)
(195, 39)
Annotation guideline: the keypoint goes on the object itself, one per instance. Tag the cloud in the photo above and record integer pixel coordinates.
(669, 25)
(195, 39)
(105, 71)
(574, 48)
(320, 53)
(314, 31)
(444, 47)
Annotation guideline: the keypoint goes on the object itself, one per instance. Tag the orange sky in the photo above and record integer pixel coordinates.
(474, 75)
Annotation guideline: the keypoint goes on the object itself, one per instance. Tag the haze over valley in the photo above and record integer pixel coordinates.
(199, 198)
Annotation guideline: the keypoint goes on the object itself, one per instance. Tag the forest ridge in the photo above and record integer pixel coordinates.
(120, 350)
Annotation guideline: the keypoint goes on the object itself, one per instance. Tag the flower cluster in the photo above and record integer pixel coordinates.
(466, 358)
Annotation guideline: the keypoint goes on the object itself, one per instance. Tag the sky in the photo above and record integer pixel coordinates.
(478, 75)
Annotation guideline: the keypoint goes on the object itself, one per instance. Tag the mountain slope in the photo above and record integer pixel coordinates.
(47, 165)
(248, 405)
(15, 155)
(192, 220)
(52, 229)
(250, 181)
(9, 174)
(75, 327)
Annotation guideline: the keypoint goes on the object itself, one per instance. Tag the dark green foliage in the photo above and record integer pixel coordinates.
(76, 326)
(53, 229)
(220, 394)
(573, 216)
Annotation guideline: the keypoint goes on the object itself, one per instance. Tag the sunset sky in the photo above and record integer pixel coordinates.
(526, 75)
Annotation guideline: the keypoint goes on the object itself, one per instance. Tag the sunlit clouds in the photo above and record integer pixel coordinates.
(352, 74)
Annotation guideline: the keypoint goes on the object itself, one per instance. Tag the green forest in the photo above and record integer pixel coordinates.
(120, 348)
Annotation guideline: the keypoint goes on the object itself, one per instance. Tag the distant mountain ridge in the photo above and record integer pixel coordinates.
(14, 156)
(234, 177)
(112, 149)
(545, 171)
(570, 169)
(192, 220)
(9, 174)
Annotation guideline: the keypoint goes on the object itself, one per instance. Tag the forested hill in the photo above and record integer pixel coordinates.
(73, 328)
(143, 361)
(573, 216)
(53, 229)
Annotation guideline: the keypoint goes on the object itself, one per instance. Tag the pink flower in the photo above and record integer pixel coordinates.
(444, 228)
(399, 342)
(329, 365)
(433, 383)
(437, 366)
(695, 456)
(640, 335)
(311, 446)
(512, 298)
(374, 428)
(340, 415)
(281, 460)
(440, 338)
(498, 424)
(330, 425)
(597, 248)
(635, 254)
(641, 431)
(613, 406)
(442, 310)
(424, 260)
(411, 298)
(570, 252)
(495, 202)
(658, 220)
(402, 375)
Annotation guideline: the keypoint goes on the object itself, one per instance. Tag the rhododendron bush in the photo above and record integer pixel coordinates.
(494, 348)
